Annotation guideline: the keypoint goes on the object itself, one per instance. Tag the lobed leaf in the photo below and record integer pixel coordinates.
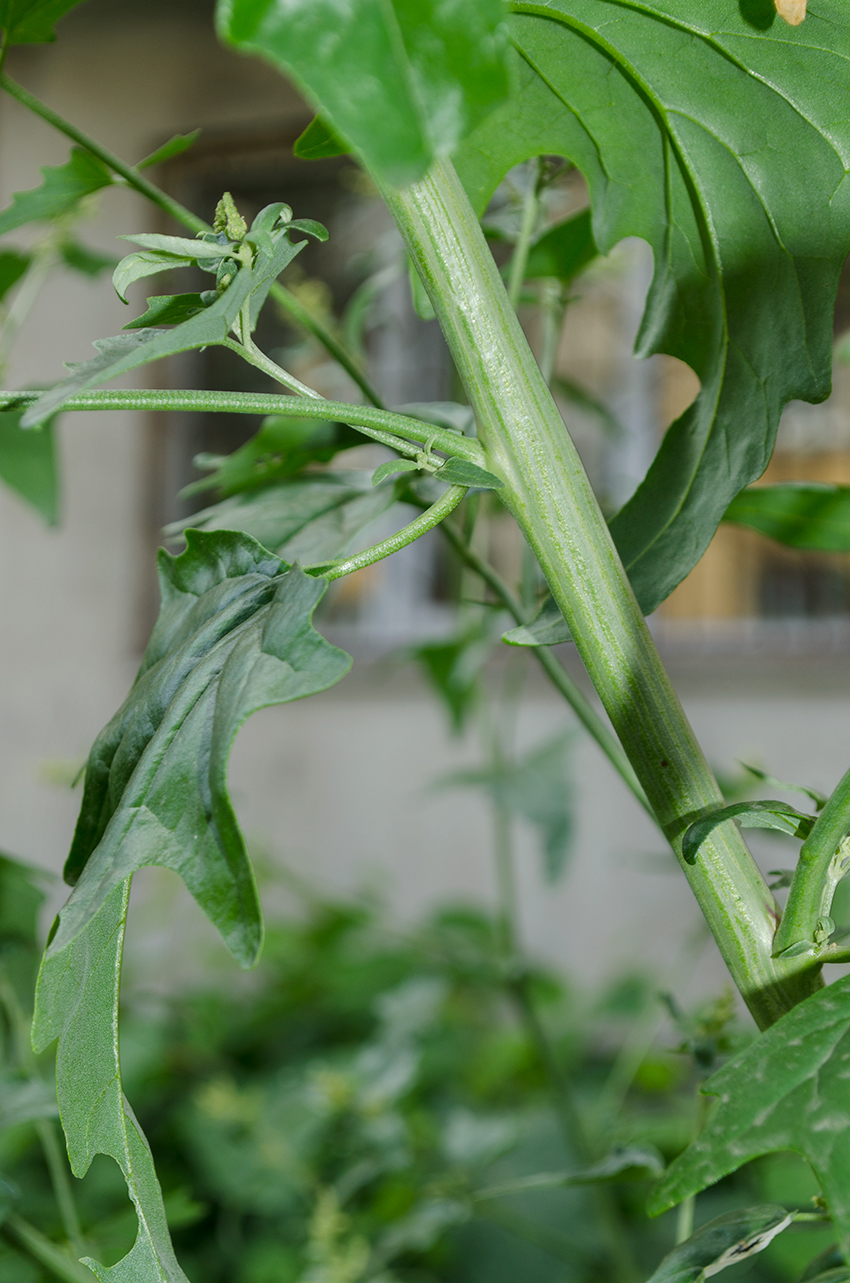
(725, 1241)
(77, 1003)
(28, 464)
(787, 1091)
(400, 82)
(64, 186)
(310, 519)
(234, 635)
(696, 133)
(808, 515)
(750, 815)
(26, 22)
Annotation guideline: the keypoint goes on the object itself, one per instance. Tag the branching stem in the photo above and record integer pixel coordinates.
(824, 861)
(418, 527)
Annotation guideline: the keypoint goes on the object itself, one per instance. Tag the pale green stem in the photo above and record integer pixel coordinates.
(420, 526)
(824, 861)
(519, 259)
(687, 1208)
(372, 423)
(554, 670)
(547, 490)
(180, 214)
(552, 314)
(50, 1257)
(249, 352)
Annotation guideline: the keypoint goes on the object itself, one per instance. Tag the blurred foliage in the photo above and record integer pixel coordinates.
(336, 1116)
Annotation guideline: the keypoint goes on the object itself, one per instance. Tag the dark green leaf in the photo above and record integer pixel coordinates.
(548, 628)
(788, 1090)
(721, 1243)
(816, 796)
(317, 141)
(168, 309)
(800, 514)
(281, 447)
(174, 147)
(563, 250)
(25, 22)
(233, 635)
(750, 815)
(63, 188)
(12, 267)
(698, 134)
(401, 82)
(77, 1002)
(310, 519)
(459, 472)
(28, 463)
(84, 260)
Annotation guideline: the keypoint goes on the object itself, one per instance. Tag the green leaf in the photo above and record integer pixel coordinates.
(310, 519)
(28, 463)
(21, 898)
(281, 447)
(827, 1267)
(816, 796)
(391, 467)
(723, 1242)
(548, 628)
(25, 1100)
(64, 186)
(13, 264)
(88, 262)
(697, 133)
(318, 141)
(310, 226)
(174, 147)
(624, 1163)
(460, 472)
(750, 815)
(77, 1003)
(787, 1091)
(25, 22)
(401, 81)
(135, 267)
(168, 309)
(126, 352)
(564, 250)
(180, 246)
(233, 636)
(454, 666)
(800, 514)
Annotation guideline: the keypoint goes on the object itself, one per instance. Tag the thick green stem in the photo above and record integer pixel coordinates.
(398, 427)
(547, 490)
(824, 861)
(285, 299)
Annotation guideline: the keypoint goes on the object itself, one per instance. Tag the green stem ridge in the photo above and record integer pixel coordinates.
(419, 526)
(547, 490)
(398, 427)
(554, 670)
(824, 861)
(281, 295)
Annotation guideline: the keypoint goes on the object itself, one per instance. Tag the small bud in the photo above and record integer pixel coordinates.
(228, 219)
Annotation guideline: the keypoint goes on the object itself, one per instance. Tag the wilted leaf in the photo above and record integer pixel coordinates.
(548, 628)
(233, 636)
(696, 133)
(401, 82)
(310, 519)
(28, 463)
(788, 1090)
(721, 1243)
(64, 186)
(807, 514)
(750, 815)
(26, 22)
(77, 1002)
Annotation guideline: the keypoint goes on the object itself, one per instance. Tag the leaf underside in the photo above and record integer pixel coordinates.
(233, 636)
(697, 134)
(788, 1091)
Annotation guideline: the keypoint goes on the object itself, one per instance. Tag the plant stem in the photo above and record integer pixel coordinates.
(284, 297)
(547, 490)
(23, 1235)
(399, 427)
(420, 526)
(553, 669)
(824, 861)
(519, 258)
